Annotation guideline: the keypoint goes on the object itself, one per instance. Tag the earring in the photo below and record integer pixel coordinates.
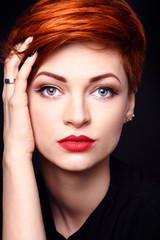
(130, 118)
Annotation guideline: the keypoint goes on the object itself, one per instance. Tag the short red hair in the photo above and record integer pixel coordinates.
(53, 23)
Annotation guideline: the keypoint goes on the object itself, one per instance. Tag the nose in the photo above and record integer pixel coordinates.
(76, 112)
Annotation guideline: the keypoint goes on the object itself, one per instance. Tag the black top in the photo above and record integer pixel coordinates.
(129, 211)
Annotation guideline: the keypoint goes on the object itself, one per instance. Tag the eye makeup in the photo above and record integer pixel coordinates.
(49, 90)
(105, 91)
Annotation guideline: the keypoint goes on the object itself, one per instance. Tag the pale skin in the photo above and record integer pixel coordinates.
(22, 218)
(74, 106)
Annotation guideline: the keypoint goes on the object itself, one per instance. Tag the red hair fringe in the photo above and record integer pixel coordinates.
(53, 23)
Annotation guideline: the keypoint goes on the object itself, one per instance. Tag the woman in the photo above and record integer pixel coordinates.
(71, 72)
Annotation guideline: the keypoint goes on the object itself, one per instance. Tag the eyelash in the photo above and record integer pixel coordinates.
(43, 88)
(108, 89)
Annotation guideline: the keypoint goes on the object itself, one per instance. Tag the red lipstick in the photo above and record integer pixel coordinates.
(74, 143)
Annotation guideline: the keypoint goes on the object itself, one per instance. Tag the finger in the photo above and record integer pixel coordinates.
(22, 77)
(14, 59)
(12, 64)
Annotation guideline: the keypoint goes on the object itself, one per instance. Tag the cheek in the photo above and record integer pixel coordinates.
(109, 122)
(44, 120)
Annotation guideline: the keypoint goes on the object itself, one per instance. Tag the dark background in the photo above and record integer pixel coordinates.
(139, 144)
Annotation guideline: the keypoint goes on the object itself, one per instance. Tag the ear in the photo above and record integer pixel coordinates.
(130, 108)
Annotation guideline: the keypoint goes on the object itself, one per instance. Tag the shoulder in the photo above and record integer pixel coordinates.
(139, 217)
(140, 186)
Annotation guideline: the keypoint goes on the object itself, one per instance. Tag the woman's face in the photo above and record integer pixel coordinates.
(79, 90)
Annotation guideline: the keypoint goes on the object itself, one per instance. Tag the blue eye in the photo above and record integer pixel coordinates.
(104, 92)
(49, 91)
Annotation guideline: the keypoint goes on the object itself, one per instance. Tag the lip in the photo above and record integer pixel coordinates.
(74, 143)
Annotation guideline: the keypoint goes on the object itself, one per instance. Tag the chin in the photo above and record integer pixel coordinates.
(75, 162)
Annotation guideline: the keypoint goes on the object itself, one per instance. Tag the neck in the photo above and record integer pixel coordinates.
(75, 195)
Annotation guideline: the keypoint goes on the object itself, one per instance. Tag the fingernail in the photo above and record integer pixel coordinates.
(32, 53)
(29, 40)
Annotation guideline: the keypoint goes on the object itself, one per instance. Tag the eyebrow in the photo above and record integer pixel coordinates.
(63, 79)
(52, 75)
(106, 75)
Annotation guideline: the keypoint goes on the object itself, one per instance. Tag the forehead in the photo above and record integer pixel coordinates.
(83, 59)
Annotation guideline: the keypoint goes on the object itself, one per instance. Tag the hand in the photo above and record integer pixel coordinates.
(18, 135)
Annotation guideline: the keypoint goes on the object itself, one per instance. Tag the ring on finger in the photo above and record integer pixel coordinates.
(9, 80)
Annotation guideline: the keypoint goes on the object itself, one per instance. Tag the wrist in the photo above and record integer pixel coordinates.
(16, 156)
